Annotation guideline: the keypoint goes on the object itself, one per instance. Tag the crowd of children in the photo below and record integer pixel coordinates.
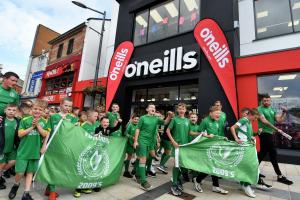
(29, 127)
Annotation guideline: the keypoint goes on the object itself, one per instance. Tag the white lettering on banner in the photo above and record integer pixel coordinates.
(219, 51)
(223, 172)
(174, 60)
(120, 57)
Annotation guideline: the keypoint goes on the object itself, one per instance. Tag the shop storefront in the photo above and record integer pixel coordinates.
(167, 66)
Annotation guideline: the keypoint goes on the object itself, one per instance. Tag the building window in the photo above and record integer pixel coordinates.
(60, 49)
(141, 28)
(284, 92)
(274, 17)
(59, 85)
(189, 15)
(189, 92)
(70, 46)
(165, 20)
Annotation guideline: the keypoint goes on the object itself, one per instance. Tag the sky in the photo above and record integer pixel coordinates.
(20, 18)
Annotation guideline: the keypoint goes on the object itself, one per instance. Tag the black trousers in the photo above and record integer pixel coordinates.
(202, 176)
(267, 147)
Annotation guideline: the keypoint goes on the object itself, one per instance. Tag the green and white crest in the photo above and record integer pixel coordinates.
(224, 156)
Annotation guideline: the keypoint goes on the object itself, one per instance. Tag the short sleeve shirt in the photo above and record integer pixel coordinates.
(244, 130)
(130, 132)
(30, 144)
(269, 113)
(180, 128)
(10, 131)
(209, 126)
(222, 122)
(89, 128)
(55, 118)
(194, 128)
(148, 128)
(7, 97)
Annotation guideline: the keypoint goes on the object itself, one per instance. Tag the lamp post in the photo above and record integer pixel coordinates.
(100, 44)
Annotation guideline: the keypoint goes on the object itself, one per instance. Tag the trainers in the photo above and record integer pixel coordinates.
(26, 196)
(137, 179)
(151, 174)
(248, 191)
(180, 185)
(262, 185)
(52, 195)
(162, 169)
(97, 189)
(127, 175)
(13, 192)
(175, 191)
(145, 186)
(2, 180)
(87, 191)
(219, 190)
(284, 180)
(2, 186)
(197, 185)
(133, 172)
(76, 194)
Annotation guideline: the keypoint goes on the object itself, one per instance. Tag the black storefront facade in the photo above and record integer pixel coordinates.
(185, 74)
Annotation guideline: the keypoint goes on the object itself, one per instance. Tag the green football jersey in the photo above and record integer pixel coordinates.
(180, 128)
(89, 128)
(244, 130)
(269, 113)
(55, 118)
(209, 126)
(130, 132)
(222, 122)
(148, 128)
(10, 130)
(113, 117)
(194, 128)
(30, 144)
(7, 97)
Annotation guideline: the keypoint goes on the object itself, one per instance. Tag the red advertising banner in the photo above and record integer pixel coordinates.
(213, 43)
(116, 71)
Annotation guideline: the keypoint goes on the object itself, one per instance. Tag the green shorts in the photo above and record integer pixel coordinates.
(129, 148)
(23, 166)
(166, 144)
(6, 157)
(143, 150)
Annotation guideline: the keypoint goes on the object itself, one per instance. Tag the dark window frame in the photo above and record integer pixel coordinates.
(70, 46)
(283, 34)
(60, 50)
(175, 35)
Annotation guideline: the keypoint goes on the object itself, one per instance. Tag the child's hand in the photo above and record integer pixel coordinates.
(259, 131)
(1, 118)
(209, 135)
(135, 144)
(120, 120)
(43, 150)
(34, 122)
(176, 145)
(238, 141)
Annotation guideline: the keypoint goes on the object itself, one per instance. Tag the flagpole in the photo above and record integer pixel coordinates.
(42, 157)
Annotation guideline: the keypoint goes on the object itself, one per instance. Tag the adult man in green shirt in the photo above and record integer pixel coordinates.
(222, 120)
(267, 119)
(7, 92)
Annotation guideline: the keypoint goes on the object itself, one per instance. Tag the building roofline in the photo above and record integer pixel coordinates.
(69, 32)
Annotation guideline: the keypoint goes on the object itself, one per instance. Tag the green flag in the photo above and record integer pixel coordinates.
(75, 159)
(216, 156)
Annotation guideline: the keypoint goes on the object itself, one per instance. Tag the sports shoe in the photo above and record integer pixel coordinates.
(162, 169)
(127, 175)
(97, 189)
(248, 191)
(13, 191)
(262, 185)
(284, 180)
(2, 180)
(26, 196)
(76, 193)
(133, 172)
(146, 186)
(2, 186)
(52, 196)
(151, 174)
(219, 190)
(6, 174)
(175, 191)
(197, 185)
(87, 191)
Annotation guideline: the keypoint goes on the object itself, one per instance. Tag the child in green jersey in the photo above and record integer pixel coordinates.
(194, 125)
(178, 132)
(209, 127)
(130, 133)
(32, 130)
(242, 132)
(113, 117)
(65, 113)
(144, 140)
(9, 126)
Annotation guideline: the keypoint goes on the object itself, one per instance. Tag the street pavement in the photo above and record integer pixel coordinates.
(129, 189)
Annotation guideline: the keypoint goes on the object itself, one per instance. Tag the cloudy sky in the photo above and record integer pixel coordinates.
(19, 19)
